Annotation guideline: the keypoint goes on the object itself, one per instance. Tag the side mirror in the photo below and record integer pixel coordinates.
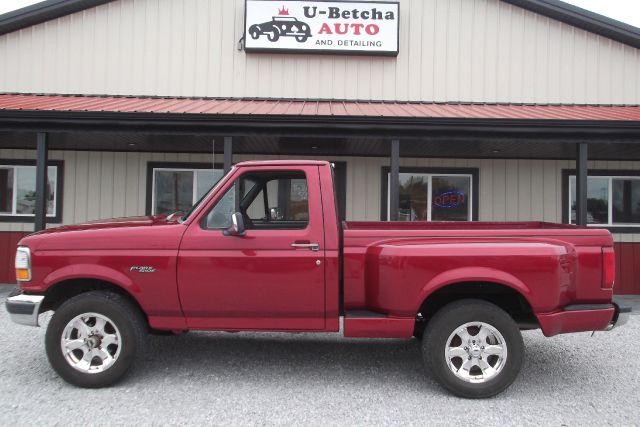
(174, 216)
(237, 225)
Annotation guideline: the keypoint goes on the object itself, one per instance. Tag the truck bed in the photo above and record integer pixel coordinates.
(457, 225)
(402, 229)
(390, 266)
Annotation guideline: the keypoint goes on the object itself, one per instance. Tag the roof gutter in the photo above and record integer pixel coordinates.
(313, 126)
(42, 12)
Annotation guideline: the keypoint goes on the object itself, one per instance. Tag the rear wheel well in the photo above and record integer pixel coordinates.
(508, 299)
(61, 292)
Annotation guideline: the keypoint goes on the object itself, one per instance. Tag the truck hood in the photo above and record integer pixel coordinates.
(132, 221)
(142, 232)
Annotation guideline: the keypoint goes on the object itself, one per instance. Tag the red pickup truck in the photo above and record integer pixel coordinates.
(264, 251)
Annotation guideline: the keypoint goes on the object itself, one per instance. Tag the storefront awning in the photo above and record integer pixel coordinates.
(282, 118)
(274, 107)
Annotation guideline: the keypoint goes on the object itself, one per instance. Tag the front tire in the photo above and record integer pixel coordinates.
(274, 35)
(473, 348)
(93, 338)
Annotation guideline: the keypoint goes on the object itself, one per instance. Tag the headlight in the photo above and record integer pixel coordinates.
(23, 264)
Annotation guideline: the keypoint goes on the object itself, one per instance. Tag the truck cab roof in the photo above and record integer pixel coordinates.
(254, 163)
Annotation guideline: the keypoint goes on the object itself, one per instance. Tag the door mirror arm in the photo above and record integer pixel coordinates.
(237, 226)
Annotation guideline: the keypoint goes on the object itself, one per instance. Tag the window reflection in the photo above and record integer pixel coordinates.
(434, 197)
(177, 190)
(610, 200)
(626, 201)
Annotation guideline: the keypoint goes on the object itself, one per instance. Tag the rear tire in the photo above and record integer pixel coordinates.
(473, 348)
(93, 338)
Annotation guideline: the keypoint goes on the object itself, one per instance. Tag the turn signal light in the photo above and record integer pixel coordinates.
(22, 274)
(23, 264)
(608, 268)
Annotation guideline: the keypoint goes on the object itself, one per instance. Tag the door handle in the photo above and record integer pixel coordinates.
(311, 246)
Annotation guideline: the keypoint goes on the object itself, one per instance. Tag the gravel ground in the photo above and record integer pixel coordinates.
(320, 379)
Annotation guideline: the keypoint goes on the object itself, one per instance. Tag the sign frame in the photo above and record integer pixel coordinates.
(338, 52)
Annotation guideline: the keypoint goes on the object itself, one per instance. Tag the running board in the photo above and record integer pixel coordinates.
(371, 324)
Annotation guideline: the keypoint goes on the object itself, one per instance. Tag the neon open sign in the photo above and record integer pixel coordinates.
(449, 199)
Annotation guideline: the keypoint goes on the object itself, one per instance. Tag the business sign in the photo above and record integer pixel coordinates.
(449, 199)
(321, 27)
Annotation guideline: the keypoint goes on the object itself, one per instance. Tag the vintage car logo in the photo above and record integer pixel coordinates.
(282, 25)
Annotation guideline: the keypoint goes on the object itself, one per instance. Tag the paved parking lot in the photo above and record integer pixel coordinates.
(307, 379)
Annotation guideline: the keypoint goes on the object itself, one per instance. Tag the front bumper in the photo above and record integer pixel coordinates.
(24, 309)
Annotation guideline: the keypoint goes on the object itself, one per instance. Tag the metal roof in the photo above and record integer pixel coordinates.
(308, 108)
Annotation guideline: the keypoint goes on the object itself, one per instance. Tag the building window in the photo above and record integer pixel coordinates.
(429, 194)
(177, 187)
(18, 196)
(612, 200)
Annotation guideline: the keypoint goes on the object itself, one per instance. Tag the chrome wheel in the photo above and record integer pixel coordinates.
(91, 343)
(476, 352)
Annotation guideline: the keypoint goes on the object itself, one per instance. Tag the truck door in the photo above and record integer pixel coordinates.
(272, 277)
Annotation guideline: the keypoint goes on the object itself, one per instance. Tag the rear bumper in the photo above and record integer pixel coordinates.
(24, 309)
(584, 317)
(621, 315)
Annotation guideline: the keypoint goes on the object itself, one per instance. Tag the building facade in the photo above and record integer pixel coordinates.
(490, 110)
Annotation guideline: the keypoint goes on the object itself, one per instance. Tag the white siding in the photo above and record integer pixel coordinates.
(107, 184)
(450, 50)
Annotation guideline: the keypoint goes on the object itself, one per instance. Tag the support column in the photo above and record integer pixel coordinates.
(394, 181)
(228, 153)
(42, 190)
(581, 183)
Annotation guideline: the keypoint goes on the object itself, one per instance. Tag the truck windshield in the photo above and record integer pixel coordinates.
(204, 196)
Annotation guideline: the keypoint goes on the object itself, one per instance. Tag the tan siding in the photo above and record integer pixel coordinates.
(537, 189)
(68, 211)
(107, 184)
(450, 50)
(486, 192)
(119, 185)
(81, 189)
(499, 191)
(93, 190)
(131, 190)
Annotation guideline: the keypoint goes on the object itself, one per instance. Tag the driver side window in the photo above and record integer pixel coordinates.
(268, 201)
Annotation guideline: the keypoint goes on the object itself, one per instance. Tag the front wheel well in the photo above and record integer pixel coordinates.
(508, 299)
(61, 292)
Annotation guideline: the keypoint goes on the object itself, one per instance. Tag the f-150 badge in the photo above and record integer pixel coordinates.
(143, 269)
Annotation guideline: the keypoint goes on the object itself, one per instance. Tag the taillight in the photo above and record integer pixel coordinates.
(608, 267)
